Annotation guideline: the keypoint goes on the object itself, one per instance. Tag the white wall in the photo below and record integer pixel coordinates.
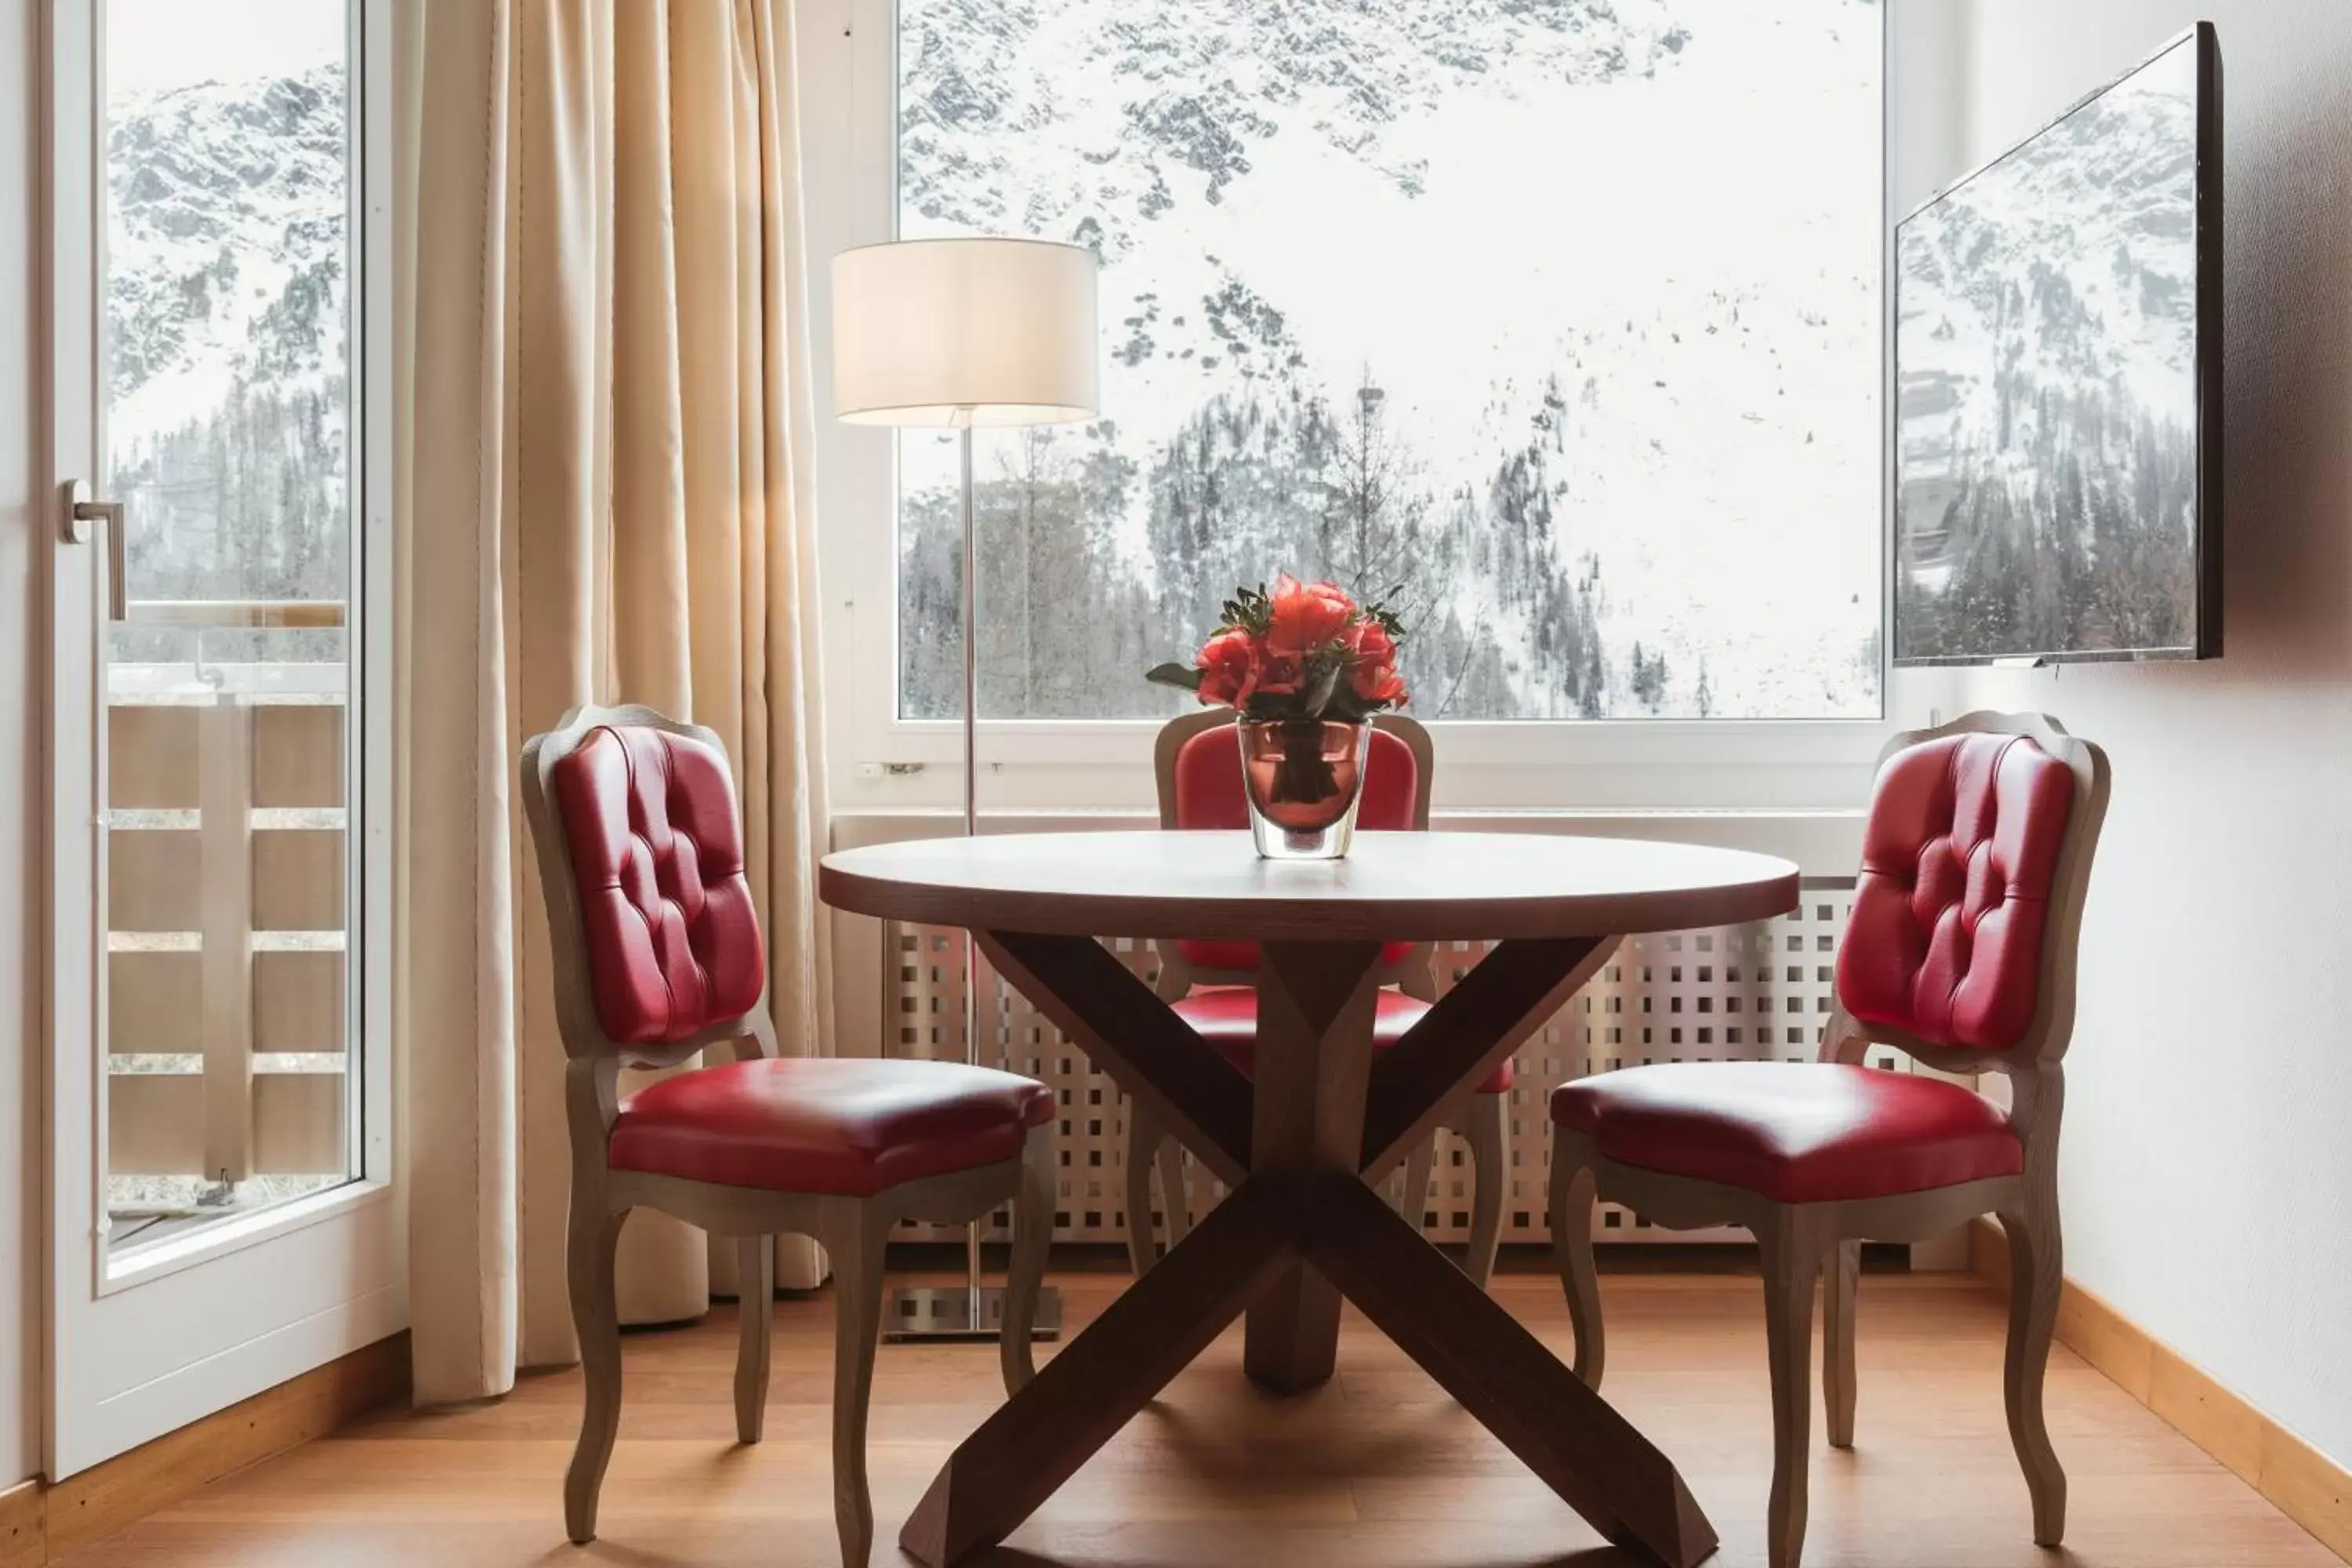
(21, 521)
(2207, 1161)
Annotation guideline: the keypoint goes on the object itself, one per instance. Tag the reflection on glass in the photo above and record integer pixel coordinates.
(229, 419)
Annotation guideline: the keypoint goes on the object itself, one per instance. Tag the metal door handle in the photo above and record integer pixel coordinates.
(81, 511)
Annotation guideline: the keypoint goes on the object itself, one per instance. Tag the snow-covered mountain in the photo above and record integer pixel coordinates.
(227, 238)
(995, 137)
(1604, 272)
(2046, 358)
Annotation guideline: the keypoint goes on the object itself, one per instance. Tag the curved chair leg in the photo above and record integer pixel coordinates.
(596, 1319)
(1416, 1181)
(1175, 1198)
(2035, 1274)
(1572, 1192)
(1143, 1142)
(854, 1237)
(755, 1305)
(1792, 1269)
(1485, 1125)
(1843, 1271)
(1032, 1235)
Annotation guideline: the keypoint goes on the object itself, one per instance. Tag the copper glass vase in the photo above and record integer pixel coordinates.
(1305, 778)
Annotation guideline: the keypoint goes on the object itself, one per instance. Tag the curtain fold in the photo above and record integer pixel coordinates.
(605, 497)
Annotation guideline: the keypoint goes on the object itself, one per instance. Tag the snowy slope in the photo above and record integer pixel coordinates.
(1662, 206)
(2046, 361)
(227, 299)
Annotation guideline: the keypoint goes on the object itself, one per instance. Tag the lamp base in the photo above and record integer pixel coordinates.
(963, 1312)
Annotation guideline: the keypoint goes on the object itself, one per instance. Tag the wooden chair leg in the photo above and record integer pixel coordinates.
(1572, 1192)
(1485, 1126)
(1416, 1181)
(1175, 1198)
(1032, 1236)
(596, 1319)
(854, 1238)
(755, 1305)
(1792, 1267)
(1143, 1142)
(1843, 1269)
(2036, 1262)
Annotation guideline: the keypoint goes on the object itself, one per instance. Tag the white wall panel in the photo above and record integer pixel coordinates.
(2206, 1170)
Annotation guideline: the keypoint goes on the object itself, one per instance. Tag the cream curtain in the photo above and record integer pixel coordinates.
(605, 496)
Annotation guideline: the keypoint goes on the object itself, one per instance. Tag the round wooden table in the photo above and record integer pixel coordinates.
(1325, 1118)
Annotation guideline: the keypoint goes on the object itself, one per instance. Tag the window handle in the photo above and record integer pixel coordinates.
(81, 513)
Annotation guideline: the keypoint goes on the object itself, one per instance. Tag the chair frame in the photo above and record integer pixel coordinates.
(1800, 1242)
(853, 1230)
(1481, 1121)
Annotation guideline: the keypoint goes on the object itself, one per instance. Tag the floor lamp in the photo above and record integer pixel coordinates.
(964, 334)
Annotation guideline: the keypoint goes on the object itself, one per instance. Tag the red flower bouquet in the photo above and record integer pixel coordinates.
(1307, 650)
(1301, 667)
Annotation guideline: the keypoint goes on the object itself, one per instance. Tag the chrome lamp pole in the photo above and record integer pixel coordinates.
(984, 1307)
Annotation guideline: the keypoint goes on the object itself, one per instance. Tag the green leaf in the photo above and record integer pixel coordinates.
(1318, 698)
(1183, 674)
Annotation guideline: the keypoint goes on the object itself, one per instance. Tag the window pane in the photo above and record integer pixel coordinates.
(231, 1050)
(1562, 314)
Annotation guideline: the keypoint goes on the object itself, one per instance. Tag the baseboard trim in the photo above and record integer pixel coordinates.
(41, 1523)
(2304, 1484)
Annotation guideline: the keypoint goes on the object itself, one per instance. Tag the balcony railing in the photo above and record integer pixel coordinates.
(228, 1015)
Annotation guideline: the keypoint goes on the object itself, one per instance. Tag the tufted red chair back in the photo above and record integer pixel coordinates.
(1953, 903)
(1209, 794)
(656, 854)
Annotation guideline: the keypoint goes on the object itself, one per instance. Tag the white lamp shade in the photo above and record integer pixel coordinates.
(946, 332)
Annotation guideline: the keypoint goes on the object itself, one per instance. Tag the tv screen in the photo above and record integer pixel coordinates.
(2057, 387)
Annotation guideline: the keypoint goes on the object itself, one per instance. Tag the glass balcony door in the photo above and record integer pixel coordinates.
(218, 721)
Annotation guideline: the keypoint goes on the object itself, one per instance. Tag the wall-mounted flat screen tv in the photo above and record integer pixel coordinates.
(2057, 412)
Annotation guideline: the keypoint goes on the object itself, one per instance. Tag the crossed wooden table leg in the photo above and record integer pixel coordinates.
(1301, 1228)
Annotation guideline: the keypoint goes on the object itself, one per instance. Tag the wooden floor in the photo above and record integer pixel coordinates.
(1377, 1468)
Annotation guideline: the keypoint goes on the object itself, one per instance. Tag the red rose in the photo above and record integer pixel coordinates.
(1379, 683)
(1371, 664)
(1229, 668)
(1303, 616)
(1280, 674)
(1369, 643)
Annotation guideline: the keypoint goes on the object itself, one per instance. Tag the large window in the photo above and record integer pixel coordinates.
(1561, 315)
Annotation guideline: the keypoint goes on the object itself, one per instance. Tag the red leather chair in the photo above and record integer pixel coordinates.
(1212, 982)
(1960, 952)
(657, 957)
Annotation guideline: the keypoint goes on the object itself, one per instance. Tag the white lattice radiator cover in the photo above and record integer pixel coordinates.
(1748, 991)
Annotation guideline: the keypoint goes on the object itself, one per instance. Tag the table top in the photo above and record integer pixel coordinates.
(1395, 887)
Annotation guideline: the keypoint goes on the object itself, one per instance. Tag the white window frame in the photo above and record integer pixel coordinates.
(881, 762)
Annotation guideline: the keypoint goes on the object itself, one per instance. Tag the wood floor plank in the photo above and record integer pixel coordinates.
(1376, 1470)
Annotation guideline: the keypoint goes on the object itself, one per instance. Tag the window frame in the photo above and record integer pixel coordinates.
(878, 760)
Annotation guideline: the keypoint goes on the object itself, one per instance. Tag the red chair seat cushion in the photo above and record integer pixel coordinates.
(851, 1126)
(1797, 1132)
(1226, 1017)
